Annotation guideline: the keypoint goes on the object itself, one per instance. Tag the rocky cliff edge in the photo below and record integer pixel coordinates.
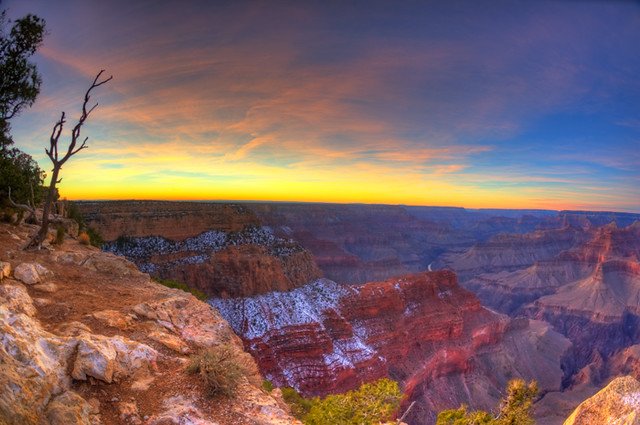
(85, 338)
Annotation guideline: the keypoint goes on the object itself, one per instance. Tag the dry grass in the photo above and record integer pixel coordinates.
(221, 368)
(84, 239)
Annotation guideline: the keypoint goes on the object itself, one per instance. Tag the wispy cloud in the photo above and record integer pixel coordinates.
(382, 101)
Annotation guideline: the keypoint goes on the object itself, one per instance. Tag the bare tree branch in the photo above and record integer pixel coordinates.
(31, 210)
(58, 162)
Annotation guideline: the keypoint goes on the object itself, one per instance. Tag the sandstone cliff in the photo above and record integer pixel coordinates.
(617, 404)
(88, 339)
(173, 220)
(423, 330)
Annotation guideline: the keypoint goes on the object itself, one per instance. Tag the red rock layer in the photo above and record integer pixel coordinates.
(172, 220)
(241, 271)
(324, 338)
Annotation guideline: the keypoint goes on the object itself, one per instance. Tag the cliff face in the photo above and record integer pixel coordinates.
(362, 243)
(618, 403)
(244, 263)
(219, 249)
(511, 252)
(585, 281)
(423, 330)
(88, 339)
(172, 220)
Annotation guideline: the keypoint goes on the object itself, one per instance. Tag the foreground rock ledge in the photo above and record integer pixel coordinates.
(108, 345)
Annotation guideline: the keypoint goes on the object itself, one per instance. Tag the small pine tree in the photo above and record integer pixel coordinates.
(514, 408)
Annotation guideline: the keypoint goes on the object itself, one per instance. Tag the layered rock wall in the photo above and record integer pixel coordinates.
(422, 330)
(172, 220)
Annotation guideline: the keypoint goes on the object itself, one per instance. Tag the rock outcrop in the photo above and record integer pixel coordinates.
(108, 345)
(422, 330)
(617, 404)
(244, 263)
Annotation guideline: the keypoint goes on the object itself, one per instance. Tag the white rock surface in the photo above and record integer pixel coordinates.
(27, 273)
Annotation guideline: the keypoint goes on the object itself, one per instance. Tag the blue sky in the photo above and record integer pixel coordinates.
(480, 104)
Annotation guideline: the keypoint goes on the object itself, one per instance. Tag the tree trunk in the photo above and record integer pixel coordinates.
(36, 242)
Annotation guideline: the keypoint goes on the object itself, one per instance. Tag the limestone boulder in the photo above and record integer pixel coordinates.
(113, 319)
(17, 299)
(31, 273)
(110, 264)
(177, 411)
(110, 358)
(33, 366)
(170, 341)
(194, 321)
(618, 403)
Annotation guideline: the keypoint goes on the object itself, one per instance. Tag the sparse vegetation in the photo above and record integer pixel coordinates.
(514, 408)
(95, 238)
(83, 238)
(91, 236)
(221, 368)
(59, 235)
(267, 385)
(300, 406)
(170, 283)
(370, 404)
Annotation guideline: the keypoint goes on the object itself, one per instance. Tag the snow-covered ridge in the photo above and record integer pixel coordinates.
(254, 317)
(140, 248)
(267, 319)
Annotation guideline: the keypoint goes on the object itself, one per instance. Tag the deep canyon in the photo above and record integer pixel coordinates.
(327, 296)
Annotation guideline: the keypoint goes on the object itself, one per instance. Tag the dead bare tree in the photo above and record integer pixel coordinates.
(52, 153)
(29, 208)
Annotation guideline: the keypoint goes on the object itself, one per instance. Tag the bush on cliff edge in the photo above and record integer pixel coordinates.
(220, 367)
(370, 404)
(514, 408)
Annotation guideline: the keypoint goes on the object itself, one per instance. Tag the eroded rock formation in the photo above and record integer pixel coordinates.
(244, 263)
(423, 330)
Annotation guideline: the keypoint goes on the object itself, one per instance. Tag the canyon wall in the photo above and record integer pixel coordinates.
(220, 264)
(217, 248)
(585, 281)
(422, 330)
(172, 220)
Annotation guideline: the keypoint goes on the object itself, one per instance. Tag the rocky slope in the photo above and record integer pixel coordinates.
(87, 339)
(423, 330)
(617, 404)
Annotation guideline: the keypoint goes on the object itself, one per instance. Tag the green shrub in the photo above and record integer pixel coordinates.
(59, 235)
(267, 385)
(170, 283)
(300, 406)
(514, 408)
(95, 238)
(221, 368)
(370, 404)
(73, 212)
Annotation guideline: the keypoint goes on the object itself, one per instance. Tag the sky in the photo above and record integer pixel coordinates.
(492, 104)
